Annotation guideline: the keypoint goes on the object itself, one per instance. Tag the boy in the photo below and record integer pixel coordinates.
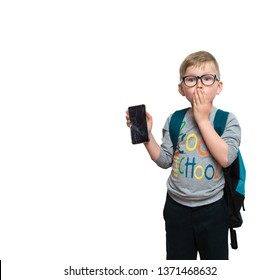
(195, 212)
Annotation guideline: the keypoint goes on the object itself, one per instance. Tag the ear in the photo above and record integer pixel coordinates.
(220, 87)
(180, 89)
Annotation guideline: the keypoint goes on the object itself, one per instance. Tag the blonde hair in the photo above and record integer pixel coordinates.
(197, 59)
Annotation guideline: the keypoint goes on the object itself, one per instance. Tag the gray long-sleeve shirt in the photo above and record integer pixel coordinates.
(196, 178)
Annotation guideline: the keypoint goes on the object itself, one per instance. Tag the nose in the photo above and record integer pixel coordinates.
(199, 83)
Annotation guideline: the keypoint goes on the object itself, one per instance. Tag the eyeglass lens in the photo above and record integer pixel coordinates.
(206, 80)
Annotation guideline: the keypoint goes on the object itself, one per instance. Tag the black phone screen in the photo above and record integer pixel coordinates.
(138, 124)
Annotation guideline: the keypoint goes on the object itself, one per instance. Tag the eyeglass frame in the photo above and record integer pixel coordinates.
(216, 78)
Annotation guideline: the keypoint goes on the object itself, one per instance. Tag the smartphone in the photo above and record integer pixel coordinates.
(138, 124)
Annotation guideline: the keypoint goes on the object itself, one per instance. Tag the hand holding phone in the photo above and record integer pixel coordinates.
(138, 124)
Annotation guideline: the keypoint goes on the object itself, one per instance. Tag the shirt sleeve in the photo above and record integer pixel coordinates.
(166, 150)
(232, 136)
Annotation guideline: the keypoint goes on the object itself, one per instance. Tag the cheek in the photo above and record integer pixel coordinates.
(211, 94)
(189, 94)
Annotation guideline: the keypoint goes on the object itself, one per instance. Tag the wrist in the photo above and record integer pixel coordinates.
(203, 123)
(151, 138)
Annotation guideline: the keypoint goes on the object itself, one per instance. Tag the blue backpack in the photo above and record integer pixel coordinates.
(235, 174)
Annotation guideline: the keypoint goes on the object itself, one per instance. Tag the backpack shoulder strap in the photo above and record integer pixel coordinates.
(220, 121)
(175, 124)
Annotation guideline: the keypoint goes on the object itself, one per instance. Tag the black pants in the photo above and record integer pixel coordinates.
(192, 230)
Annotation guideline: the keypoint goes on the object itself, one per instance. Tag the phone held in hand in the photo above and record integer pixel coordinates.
(138, 124)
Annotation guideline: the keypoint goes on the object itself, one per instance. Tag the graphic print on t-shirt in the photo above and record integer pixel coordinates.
(192, 159)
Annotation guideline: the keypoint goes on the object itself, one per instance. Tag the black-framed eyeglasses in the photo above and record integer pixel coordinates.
(207, 80)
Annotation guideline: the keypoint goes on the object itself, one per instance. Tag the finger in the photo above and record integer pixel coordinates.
(148, 115)
(201, 96)
(195, 98)
(127, 119)
(149, 118)
(199, 93)
(204, 97)
(149, 121)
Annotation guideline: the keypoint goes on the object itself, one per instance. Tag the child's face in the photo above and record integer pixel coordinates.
(211, 91)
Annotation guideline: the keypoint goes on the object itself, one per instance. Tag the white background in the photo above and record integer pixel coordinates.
(73, 189)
